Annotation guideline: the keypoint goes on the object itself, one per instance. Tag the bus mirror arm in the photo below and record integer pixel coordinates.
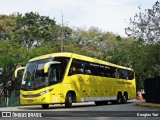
(48, 64)
(16, 71)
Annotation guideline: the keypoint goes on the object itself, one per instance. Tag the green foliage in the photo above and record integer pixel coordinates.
(145, 28)
(33, 30)
(145, 25)
(7, 24)
(153, 60)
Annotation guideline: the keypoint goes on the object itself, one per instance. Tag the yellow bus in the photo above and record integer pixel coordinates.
(66, 78)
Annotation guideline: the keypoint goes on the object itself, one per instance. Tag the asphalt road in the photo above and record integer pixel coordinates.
(86, 111)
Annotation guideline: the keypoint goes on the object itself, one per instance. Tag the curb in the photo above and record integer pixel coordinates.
(148, 105)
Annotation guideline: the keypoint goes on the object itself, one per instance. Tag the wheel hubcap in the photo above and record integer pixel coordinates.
(70, 99)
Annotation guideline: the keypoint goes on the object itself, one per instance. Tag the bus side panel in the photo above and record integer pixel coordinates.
(132, 94)
(106, 88)
(56, 94)
(74, 83)
(128, 86)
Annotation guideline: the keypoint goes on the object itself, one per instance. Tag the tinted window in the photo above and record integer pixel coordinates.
(77, 67)
(130, 75)
(64, 62)
(124, 74)
(54, 76)
(89, 68)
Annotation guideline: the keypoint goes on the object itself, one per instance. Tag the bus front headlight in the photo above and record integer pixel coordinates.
(45, 92)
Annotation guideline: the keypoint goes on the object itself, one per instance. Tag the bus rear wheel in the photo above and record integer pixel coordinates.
(98, 103)
(105, 102)
(68, 100)
(125, 98)
(45, 106)
(119, 99)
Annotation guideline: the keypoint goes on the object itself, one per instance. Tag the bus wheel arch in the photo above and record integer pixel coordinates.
(70, 98)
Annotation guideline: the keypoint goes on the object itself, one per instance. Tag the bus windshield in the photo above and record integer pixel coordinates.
(34, 76)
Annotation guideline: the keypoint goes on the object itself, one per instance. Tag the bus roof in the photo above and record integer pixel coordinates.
(77, 56)
(51, 56)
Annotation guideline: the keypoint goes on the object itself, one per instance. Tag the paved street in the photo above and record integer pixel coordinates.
(85, 110)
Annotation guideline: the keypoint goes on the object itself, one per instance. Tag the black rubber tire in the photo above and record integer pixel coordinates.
(98, 103)
(68, 100)
(45, 106)
(114, 101)
(105, 102)
(124, 98)
(119, 98)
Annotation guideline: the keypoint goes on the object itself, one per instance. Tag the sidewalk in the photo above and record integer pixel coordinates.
(145, 104)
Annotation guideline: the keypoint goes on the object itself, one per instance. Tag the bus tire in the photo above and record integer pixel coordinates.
(114, 101)
(125, 98)
(68, 100)
(98, 103)
(45, 106)
(119, 98)
(105, 102)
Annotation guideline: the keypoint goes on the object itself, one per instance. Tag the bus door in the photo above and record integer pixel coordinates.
(54, 79)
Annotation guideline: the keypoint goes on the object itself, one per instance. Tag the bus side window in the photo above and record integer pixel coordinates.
(117, 73)
(131, 75)
(87, 68)
(80, 71)
(125, 73)
(72, 71)
(76, 67)
(88, 72)
(121, 73)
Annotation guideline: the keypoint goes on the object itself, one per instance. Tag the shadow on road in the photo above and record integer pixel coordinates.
(60, 107)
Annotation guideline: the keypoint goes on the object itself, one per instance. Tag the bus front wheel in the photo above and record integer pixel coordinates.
(45, 106)
(68, 100)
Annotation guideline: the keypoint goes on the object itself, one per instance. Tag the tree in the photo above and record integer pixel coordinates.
(33, 30)
(7, 25)
(145, 26)
(153, 60)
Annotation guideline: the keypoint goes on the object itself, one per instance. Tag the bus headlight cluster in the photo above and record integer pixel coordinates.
(35, 95)
(44, 92)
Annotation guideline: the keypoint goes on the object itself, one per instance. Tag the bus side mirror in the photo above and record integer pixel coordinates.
(16, 71)
(48, 64)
